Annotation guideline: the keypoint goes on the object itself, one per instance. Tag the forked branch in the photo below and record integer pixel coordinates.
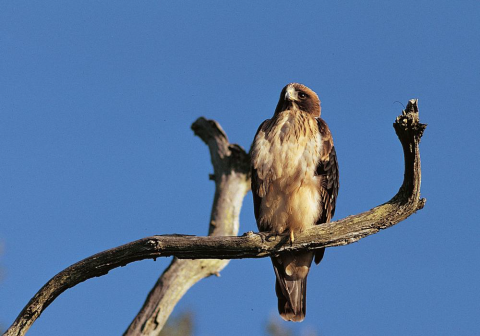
(221, 244)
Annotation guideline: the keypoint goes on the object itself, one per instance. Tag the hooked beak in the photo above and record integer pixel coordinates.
(291, 94)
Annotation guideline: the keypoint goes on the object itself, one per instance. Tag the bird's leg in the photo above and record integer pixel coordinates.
(292, 237)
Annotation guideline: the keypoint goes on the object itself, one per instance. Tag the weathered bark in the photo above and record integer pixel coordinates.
(251, 245)
(231, 175)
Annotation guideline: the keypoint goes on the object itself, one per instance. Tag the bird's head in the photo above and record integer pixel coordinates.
(298, 96)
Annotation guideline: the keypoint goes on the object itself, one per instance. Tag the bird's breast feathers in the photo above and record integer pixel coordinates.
(285, 154)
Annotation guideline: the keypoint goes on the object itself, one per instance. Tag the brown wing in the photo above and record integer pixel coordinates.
(256, 182)
(327, 170)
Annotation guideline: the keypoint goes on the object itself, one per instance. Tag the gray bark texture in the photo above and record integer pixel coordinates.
(211, 253)
(232, 182)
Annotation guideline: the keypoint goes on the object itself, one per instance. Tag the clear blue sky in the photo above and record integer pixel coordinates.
(96, 102)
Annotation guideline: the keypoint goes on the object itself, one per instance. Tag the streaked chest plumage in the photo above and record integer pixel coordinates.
(286, 153)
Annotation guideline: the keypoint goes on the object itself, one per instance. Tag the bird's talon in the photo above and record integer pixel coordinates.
(266, 236)
(262, 236)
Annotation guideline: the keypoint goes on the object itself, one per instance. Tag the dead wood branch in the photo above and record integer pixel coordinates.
(251, 245)
(231, 175)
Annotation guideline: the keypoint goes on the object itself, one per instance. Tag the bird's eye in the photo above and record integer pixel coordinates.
(302, 95)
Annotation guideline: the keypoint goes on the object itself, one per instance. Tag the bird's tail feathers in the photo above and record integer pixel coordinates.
(292, 303)
(291, 271)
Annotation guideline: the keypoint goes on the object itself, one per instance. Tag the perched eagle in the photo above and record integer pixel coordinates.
(294, 185)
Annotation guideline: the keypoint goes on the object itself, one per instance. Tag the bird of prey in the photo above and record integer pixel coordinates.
(295, 186)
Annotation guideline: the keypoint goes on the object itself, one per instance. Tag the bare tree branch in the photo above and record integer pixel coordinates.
(232, 182)
(251, 245)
